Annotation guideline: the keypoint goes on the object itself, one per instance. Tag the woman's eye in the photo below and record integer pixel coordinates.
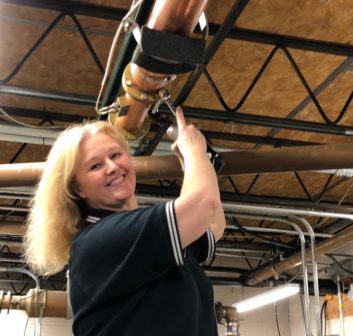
(115, 155)
(95, 166)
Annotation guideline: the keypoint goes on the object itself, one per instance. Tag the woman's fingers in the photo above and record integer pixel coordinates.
(176, 150)
(180, 117)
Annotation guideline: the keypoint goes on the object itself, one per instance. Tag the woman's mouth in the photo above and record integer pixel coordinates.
(116, 181)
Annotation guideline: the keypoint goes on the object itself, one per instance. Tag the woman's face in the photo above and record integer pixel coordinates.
(105, 177)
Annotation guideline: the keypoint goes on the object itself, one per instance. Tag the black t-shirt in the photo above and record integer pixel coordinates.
(129, 276)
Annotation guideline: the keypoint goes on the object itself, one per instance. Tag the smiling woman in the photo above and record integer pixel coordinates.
(85, 213)
(105, 177)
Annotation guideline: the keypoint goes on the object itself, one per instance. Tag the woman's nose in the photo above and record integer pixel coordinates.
(111, 166)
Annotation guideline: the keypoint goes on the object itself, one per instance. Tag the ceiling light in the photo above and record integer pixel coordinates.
(270, 296)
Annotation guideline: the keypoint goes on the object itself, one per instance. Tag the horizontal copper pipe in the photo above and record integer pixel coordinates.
(20, 174)
(328, 245)
(285, 159)
(54, 303)
(12, 228)
(248, 161)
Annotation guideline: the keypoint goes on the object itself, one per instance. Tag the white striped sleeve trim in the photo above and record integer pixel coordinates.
(211, 244)
(174, 234)
(92, 219)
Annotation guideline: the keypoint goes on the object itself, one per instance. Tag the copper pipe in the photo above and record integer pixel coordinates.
(12, 228)
(38, 303)
(56, 305)
(248, 161)
(174, 16)
(20, 174)
(285, 159)
(328, 245)
(137, 114)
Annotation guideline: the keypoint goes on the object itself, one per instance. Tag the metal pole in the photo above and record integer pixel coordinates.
(315, 271)
(340, 303)
(307, 316)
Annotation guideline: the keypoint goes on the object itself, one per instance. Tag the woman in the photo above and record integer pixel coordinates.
(133, 270)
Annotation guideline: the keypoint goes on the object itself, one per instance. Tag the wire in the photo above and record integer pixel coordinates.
(112, 50)
(294, 276)
(2, 111)
(278, 331)
(258, 236)
(40, 291)
(339, 265)
(339, 203)
(26, 325)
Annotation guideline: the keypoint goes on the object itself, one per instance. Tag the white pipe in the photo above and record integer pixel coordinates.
(340, 303)
(315, 271)
(300, 233)
(241, 208)
(233, 208)
(270, 230)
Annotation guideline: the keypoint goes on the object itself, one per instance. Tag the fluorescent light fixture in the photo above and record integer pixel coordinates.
(270, 296)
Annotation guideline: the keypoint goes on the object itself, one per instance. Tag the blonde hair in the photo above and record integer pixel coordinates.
(55, 214)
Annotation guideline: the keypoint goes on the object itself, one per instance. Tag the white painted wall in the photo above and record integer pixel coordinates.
(16, 323)
(257, 322)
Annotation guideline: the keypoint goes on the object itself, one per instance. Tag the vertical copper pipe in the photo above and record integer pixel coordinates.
(134, 119)
(174, 16)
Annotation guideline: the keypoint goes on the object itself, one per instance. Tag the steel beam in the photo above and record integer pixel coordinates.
(190, 112)
(74, 7)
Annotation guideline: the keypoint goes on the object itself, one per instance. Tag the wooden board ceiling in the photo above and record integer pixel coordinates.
(276, 74)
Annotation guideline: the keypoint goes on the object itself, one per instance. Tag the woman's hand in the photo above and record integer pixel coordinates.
(190, 141)
(198, 207)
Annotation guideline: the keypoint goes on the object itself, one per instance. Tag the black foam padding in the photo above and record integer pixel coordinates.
(164, 52)
(157, 66)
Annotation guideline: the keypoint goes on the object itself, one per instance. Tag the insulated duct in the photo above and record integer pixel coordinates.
(251, 161)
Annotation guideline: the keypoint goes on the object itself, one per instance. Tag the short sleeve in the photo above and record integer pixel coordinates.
(204, 248)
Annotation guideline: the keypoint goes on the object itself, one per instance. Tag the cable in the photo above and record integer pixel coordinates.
(112, 50)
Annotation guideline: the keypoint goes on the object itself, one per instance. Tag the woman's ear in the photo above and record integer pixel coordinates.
(77, 190)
